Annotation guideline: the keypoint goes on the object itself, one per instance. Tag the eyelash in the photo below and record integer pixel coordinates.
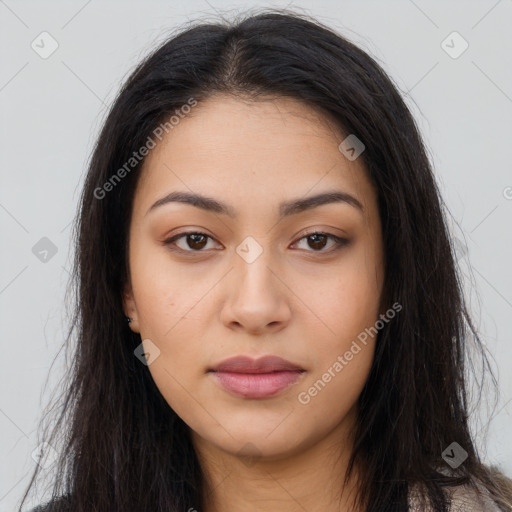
(340, 242)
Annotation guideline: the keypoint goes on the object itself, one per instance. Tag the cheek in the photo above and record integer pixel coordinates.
(344, 355)
(166, 293)
(350, 303)
(332, 392)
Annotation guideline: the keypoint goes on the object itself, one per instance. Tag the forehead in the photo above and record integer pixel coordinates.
(252, 152)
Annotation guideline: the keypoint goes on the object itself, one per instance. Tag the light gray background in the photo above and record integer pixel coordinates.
(52, 109)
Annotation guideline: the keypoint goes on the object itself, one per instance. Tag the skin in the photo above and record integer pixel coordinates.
(299, 299)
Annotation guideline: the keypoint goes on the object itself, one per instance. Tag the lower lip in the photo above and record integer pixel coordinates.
(256, 385)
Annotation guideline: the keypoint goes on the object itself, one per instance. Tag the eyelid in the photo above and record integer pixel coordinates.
(169, 241)
(339, 241)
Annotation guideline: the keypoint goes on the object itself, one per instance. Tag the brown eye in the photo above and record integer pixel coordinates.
(318, 241)
(194, 241)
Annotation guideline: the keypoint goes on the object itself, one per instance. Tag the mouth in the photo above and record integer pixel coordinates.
(246, 364)
(256, 378)
(257, 385)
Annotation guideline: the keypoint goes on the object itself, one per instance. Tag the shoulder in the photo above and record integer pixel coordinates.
(463, 498)
(466, 498)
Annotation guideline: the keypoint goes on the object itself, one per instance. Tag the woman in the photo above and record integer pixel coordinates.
(269, 314)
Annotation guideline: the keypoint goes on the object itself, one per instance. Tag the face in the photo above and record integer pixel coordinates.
(242, 274)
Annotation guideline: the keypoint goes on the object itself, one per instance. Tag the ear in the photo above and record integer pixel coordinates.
(129, 307)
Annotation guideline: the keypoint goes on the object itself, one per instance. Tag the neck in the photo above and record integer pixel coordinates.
(309, 479)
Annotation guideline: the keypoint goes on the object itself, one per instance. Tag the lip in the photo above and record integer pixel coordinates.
(256, 378)
(265, 364)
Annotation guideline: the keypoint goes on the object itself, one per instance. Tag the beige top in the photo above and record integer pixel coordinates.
(463, 499)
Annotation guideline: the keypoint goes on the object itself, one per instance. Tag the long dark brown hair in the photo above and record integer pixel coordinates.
(122, 447)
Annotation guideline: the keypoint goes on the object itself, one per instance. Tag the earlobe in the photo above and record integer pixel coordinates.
(130, 309)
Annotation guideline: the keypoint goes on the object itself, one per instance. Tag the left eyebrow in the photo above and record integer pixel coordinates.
(286, 208)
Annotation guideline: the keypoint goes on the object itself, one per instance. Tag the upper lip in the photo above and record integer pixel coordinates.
(265, 364)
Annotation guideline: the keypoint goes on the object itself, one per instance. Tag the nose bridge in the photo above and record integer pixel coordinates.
(255, 298)
(253, 264)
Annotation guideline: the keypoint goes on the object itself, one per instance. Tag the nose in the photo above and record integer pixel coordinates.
(257, 297)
